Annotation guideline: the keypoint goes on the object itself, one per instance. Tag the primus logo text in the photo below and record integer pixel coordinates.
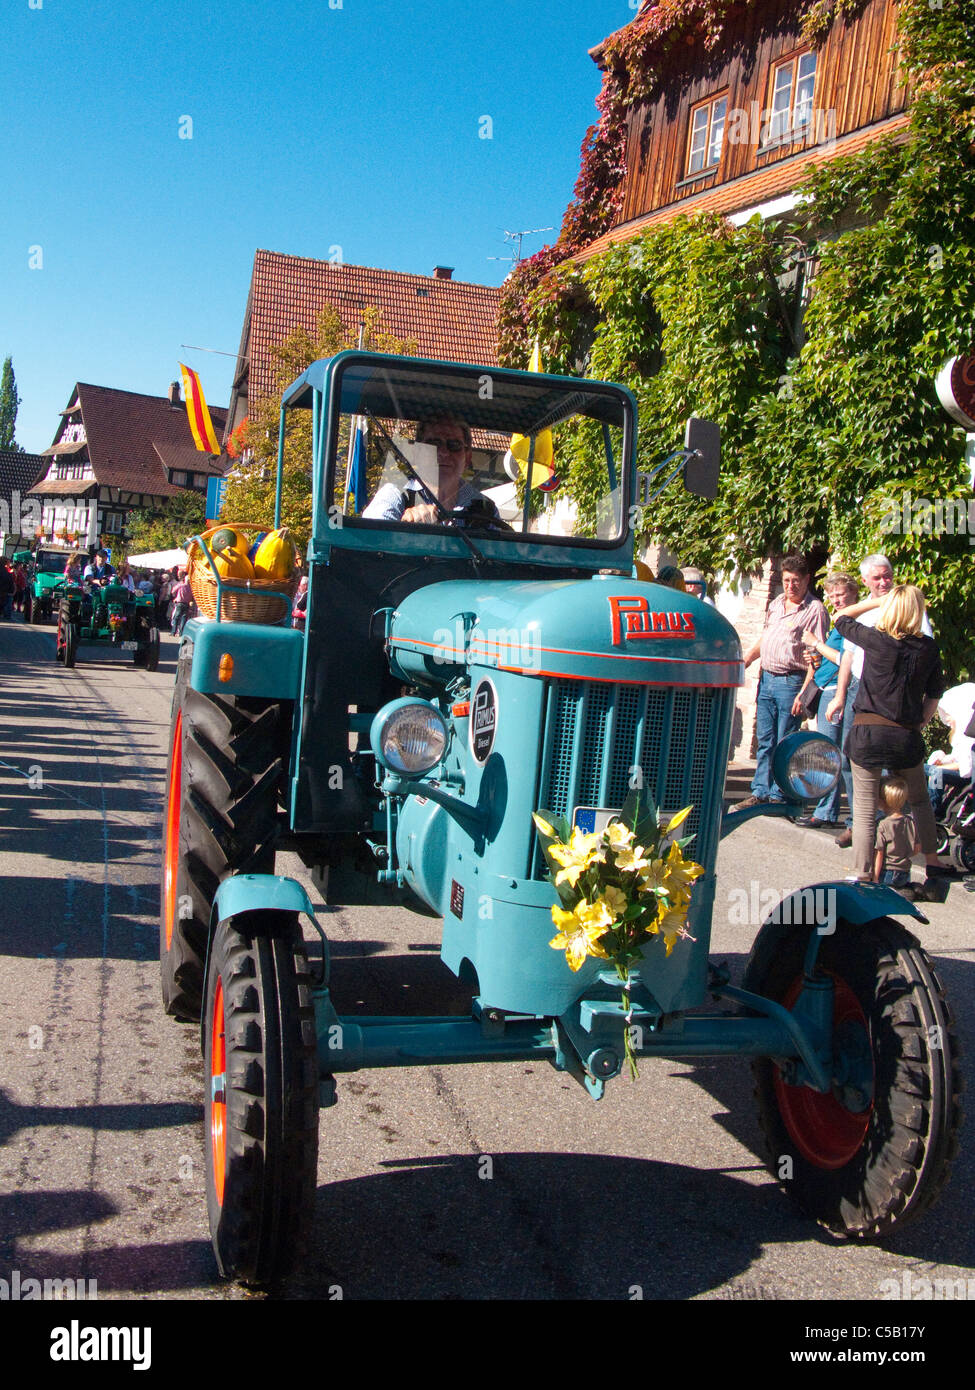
(632, 617)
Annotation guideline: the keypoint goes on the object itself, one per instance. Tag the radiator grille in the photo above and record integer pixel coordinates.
(598, 732)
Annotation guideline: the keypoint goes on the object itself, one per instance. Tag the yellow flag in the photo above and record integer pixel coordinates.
(543, 457)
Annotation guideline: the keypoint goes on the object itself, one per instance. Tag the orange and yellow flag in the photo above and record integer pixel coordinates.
(196, 410)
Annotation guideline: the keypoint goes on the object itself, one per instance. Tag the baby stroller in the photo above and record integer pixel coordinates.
(956, 828)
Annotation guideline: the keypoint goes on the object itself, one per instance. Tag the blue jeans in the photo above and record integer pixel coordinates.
(895, 878)
(851, 695)
(829, 808)
(773, 721)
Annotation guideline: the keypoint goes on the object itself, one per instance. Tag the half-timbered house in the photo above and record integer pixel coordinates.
(116, 452)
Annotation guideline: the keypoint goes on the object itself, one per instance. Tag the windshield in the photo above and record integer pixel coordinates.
(51, 561)
(497, 453)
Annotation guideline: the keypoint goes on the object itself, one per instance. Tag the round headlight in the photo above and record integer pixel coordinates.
(409, 736)
(807, 766)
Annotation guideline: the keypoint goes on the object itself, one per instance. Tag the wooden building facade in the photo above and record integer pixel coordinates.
(741, 126)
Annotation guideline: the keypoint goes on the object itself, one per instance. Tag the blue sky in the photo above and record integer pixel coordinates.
(312, 127)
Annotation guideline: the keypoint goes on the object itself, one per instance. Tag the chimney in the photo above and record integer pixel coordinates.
(443, 272)
(174, 400)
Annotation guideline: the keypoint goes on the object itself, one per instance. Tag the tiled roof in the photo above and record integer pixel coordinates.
(18, 472)
(134, 439)
(451, 320)
(773, 181)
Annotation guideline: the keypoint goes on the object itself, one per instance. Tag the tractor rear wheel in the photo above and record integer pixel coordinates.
(862, 1164)
(221, 819)
(261, 1099)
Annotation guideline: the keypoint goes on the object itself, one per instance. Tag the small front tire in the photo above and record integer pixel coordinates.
(863, 1170)
(261, 1102)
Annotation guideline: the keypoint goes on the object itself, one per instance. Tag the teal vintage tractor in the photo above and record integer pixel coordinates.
(474, 651)
(107, 614)
(45, 574)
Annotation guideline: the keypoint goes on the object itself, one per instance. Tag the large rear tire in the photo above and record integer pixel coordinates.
(261, 1100)
(859, 1166)
(221, 819)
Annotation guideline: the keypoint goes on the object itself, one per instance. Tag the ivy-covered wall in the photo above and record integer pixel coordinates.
(832, 441)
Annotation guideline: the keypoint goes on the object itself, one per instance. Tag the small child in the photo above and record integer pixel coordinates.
(896, 836)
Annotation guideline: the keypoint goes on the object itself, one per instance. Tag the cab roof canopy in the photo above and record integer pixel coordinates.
(498, 400)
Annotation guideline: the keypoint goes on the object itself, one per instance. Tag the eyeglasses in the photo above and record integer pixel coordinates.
(453, 446)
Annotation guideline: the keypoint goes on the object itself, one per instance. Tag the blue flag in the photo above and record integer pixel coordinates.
(357, 471)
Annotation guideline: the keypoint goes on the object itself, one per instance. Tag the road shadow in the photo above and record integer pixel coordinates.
(540, 1226)
(133, 1116)
(74, 918)
(40, 1212)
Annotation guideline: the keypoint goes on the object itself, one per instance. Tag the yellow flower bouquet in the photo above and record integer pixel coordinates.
(618, 889)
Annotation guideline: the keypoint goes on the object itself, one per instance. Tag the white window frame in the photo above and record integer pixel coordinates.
(790, 116)
(711, 147)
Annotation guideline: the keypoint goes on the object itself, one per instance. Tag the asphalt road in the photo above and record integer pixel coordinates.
(657, 1190)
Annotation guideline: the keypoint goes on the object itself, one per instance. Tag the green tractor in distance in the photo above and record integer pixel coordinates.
(45, 576)
(109, 614)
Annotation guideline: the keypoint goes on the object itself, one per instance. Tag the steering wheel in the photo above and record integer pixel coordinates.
(481, 515)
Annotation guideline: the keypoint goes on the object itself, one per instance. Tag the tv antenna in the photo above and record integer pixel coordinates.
(518, 237)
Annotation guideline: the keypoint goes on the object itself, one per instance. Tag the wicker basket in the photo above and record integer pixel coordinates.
(243, 600)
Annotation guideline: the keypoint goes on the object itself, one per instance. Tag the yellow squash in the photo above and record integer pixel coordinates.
(233, 564)
(275, 558)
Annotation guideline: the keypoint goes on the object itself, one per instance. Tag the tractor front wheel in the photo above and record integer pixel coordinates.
(70, 643)
(876, 1151)
(261, 1101)
(221, 819)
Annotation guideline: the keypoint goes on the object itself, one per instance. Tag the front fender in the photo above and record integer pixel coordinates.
(827, 903)
(246, 893)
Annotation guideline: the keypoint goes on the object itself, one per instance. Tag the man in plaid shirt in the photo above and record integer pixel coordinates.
(783, 670)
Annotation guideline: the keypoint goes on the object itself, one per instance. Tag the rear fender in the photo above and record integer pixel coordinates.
(265, 661)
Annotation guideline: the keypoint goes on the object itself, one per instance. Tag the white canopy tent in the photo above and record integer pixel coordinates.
(158, 560)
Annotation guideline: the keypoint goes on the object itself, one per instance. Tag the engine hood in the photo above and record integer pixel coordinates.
(605, 628)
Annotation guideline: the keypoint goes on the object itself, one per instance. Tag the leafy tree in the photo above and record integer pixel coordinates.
(9, 402)
(249, 495)
(181, 517)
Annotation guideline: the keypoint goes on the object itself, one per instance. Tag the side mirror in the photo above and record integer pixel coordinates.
(702, 440)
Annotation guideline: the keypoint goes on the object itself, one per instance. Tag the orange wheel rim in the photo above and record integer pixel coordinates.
(825, 1132)
(172, 829)
(218, 1093)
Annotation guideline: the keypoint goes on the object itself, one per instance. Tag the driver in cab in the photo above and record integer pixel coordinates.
(99, 571)
(452, 441)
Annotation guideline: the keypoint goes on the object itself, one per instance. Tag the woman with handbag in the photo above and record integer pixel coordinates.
(820, 687)
(899, 691)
